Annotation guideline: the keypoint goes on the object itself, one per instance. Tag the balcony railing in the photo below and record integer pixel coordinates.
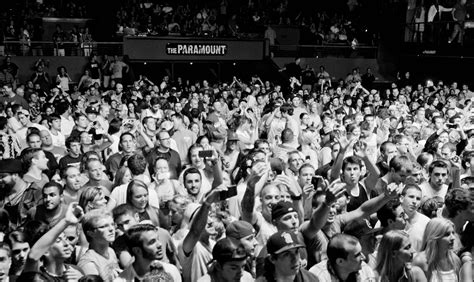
(49, 48)
(321, 51)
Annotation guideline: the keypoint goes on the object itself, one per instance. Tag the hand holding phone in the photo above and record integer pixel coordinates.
(230, 192)
(206, 153)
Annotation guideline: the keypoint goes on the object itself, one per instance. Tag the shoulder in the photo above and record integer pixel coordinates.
(420, 260)
(172, 270)
(417, 274)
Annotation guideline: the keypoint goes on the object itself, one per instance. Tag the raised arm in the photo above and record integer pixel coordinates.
(320, 215)
(73, 215)
(199, 223)
(337, 166)
(374, 204)
(248, 201)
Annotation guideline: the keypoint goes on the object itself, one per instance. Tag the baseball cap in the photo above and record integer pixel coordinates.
(282, 208)
(91, 110)
(239, 229)
(225, 250)
(283, 241)
(10, 166)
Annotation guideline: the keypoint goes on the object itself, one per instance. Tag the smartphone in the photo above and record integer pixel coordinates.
(450, 125)
(231, 192)
(206, 153)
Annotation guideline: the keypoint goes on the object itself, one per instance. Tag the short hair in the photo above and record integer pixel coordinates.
(3, 123)
(338, 247)
(62, 107)
(16, 237)
(90, 220)
(306, 165)
(191, 170)
(423, 158)
(351, 160)
(410, 186)
(31, 134)
(137, 164)
(88, 195)
(398, 163)
(125, 134)
(28, 155)
(53, 117)
(457, 200)
(193, 147)
(72, 139)
(287, 135)
(388, 212)
(54, 184)
(384, 146)
(6, 247)
(439, 164)
(466, 158)
(122, 210)
(133, 236)
(397, 138)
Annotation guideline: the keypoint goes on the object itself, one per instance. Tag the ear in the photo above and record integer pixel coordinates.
(137, 251)
(390, 221)
(339, 261)
(273, 258)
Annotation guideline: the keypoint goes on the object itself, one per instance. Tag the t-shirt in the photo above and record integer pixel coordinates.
(246, 277)
(427, 192)
(195, 264)
(95, 264)
(160, 272)
(184, 140)
(416, 229)
(67, 160)
(266, 229)
(322, 272)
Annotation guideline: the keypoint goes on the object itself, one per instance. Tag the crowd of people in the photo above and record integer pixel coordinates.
(322, 180)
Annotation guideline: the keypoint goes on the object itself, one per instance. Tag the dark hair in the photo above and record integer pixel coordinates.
(456, 201)
(351, 160)
(121, 210)
(193, 147)
(3, 123)
(338, 247)
(388, 212)
(33, 230)
(72, 139)
(134, 234)
(27, 157)
(114, 126)
(439, 164)
(137, 164)
(397, 163)
(191, 170)
(54, 184)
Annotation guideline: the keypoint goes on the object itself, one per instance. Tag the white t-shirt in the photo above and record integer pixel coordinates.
(427, 192)
(416, 230)
(58, 140)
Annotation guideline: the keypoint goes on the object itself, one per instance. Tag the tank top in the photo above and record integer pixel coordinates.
(444, 276)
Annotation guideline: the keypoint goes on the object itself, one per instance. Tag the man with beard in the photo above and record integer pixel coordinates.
(51, 211)
(72, 184)
(345, 261)
(192, 183)
(163, 150)
(12, 188)
(20, 249)
(144, 244)
(100, 259)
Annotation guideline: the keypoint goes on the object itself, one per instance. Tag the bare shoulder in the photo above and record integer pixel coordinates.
(418, 274)
(419, 261)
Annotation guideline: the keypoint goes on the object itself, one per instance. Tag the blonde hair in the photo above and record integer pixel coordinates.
(434, 231)
(391, 241)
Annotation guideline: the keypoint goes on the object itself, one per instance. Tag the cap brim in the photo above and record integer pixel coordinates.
(289, 247)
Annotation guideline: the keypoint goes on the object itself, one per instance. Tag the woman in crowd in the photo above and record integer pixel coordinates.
(137, 197)
(438, 260)
(394, 257)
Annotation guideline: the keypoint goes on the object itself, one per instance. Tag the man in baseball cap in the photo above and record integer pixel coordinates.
(14, 187)
(284, 261)
(228, 263)
(242, 232)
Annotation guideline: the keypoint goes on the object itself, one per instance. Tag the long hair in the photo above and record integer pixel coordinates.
(390, 242)
(119, 175)
(435, 230)
(152, 212)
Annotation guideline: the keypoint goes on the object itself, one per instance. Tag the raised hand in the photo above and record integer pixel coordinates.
(393, 190)
(74, 213)
(334, 191)
(214, 195)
